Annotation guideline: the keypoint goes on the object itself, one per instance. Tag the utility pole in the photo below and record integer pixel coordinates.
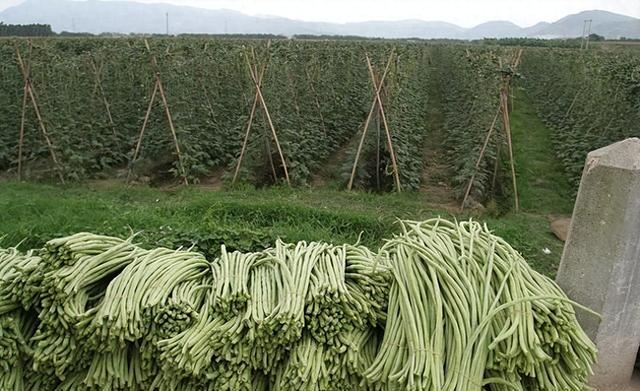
(586, 32)
(73, 25)
(167, 15)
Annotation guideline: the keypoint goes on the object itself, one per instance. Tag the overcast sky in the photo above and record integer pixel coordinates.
(466, 13)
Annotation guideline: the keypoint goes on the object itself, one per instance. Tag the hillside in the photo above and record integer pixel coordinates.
(95, 16)
(604, 23)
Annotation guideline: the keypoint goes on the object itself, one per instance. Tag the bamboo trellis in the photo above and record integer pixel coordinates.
(317, 101)
(98, 89)
(257, 78)
(377, 83)
(503, 107)
(29, 94)
(158, 87)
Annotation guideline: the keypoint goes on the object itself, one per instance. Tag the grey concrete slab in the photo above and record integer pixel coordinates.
(600, 265)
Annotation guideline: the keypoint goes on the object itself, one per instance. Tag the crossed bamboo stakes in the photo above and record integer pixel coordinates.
(98, 89)
(30, 95)
(503, 108)
(257, 78)
(158, 88)
(377, 83)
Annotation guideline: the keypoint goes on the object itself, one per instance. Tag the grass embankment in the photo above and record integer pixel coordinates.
(241, 219)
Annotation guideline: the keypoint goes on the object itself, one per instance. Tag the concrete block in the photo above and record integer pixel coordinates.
(600, 265)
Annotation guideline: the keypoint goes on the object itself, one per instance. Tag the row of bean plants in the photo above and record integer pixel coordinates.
(470, 85)
(318, 94)
(589, 98)
(404, 96)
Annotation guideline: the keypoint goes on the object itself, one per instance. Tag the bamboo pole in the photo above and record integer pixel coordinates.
(573, 102)
(503, 107)
(378, 149)
(518, 59)
(25, 95)
(29, 88)
(23, 114)
(144, 126)
(386, 125)
(515, 64)
(267, 141)
(273, 131)
(270, 122)
(246, 139)
(507, 128)
(495, 169)
(251, 115)
(22, 123)
(374, 104)
(98, 87)
(172, 128)
(482, 151)
(167, 111)
(377, 126)
(504, 97)
(45, 133)
(96, 71)
(267, 145)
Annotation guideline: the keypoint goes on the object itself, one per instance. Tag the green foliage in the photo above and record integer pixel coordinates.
(315, 93)
(318, 93)
(470, 83)
(589, 98)
(405, 98)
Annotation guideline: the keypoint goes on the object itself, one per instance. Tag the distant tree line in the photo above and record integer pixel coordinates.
(539, 42)
(234, 36)
(25, 30)
(330, 37)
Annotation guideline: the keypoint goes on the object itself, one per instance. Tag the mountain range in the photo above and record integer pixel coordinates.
(95, 16)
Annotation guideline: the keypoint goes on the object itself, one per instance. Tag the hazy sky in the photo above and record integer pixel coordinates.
(466, 13)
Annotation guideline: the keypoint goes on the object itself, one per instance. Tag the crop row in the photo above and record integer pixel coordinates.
(317, 93)
(589, 98)
(470, 82)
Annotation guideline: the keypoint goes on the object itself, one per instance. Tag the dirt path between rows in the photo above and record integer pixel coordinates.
(435, 172)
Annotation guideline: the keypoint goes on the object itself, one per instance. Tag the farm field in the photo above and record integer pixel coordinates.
(290, 207)
(318, 95)
(248, 218)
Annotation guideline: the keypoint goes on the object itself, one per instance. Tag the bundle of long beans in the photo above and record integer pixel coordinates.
(441, 306)
(312, 365)
(466, 312)
(16, 325)
(71, 282)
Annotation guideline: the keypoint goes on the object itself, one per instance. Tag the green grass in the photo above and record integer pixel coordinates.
(245, 219)
(542, 185)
